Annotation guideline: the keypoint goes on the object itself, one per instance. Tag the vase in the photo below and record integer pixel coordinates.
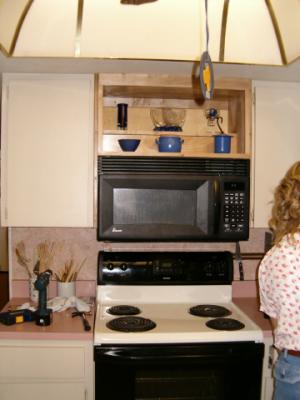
(66, 289)
(33, 293)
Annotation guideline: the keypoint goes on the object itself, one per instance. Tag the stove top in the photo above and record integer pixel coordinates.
(173, 323)
(140, 299)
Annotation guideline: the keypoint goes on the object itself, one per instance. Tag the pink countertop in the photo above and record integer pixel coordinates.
(63, 326)
(250, 306)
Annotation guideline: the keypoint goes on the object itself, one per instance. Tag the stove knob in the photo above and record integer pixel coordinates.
(123, 267)
(110, 266)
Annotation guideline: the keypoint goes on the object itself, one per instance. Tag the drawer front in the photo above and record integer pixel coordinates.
(45, 391)
(42, 362)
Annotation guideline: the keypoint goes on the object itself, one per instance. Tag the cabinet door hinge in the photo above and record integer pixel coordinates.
(7, 93)
(254, 97)
(252, 217)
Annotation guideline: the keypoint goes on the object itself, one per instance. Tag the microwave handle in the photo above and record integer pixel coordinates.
(217, 204)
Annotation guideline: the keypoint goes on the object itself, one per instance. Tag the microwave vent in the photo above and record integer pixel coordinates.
(165, 165)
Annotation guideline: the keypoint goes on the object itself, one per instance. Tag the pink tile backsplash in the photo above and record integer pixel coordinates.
(20, 288)
(244, 289)
(73, 243)
(81, 243)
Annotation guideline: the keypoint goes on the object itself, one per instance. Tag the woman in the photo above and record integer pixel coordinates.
(279, 282)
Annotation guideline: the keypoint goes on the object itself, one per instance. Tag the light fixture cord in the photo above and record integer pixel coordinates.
(206, 23)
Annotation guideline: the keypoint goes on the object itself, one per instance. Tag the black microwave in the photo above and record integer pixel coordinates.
(173, 199)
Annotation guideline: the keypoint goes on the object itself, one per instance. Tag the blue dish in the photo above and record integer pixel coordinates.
(222, 143)
(129, 144)
(170, 144)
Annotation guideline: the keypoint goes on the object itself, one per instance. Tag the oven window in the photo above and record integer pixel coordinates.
(178, 384)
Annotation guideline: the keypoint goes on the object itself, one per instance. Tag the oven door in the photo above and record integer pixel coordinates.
(214, 371)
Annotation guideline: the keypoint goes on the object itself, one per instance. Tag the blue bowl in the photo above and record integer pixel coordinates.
(129, 144)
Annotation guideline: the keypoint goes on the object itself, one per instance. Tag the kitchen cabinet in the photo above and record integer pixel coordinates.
(276, 142)
(51, 370)
(142, 92)
(268, 365)
(47, 159)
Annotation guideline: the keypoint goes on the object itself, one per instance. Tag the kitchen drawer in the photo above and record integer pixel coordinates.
(20, 362)
(45, 391)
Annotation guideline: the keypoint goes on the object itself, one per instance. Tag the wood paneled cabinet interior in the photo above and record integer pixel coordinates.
(48, 370)
(232, 99)
(276, 144)
(47, 150)
(270, 358)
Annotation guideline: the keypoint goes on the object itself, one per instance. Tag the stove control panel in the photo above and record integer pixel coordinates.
(165, 268)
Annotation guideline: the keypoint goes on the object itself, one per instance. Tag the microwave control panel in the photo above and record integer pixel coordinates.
(235, 212)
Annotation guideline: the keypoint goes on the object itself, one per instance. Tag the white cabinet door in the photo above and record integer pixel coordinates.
(276, 142)
(48, 370)
(47, 150)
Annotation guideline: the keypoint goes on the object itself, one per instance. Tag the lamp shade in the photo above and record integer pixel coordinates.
(248, 31)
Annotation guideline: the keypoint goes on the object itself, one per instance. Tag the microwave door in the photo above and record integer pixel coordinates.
(161, 207)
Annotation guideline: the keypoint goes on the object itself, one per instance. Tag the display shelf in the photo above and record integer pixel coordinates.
(232, 99)
(192, 144)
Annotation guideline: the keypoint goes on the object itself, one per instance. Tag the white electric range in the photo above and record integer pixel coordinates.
(169, 308)
(158, 311)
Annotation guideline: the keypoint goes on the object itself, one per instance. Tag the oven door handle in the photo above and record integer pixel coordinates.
(145, 356)
(169, 354)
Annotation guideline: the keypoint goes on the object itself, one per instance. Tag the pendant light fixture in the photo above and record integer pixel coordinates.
(206, 67)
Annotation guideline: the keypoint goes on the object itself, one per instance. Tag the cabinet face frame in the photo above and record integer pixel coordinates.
(86, 86)
(143, 91)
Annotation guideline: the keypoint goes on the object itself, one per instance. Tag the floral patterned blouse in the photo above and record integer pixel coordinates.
(279, 286)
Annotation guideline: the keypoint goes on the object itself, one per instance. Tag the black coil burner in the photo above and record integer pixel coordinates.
(209, 310)
(131, 324)
(225, 324)
(124, 310)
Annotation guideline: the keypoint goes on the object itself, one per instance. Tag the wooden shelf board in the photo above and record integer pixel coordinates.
(164, 85)
(168, 154)
(125, 133)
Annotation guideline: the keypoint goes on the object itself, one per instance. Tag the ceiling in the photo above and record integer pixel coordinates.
(36, 37)
(61, 65)
(262, 32)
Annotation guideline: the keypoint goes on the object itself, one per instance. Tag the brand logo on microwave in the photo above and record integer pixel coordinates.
(116, 230)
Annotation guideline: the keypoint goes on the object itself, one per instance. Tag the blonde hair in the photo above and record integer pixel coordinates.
(285, 218)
